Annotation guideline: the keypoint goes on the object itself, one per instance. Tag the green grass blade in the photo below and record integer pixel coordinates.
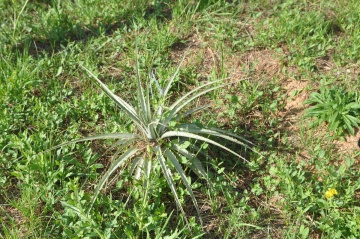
(179, 169)
(144, 104)
(193, 91)
(125, 156)
(136, 164)
(159, 111)
(162, 231)
(153, 79)
(124, 136)
(120, 142)
(191, 111)
(167, 173)
(175, 108)
(231, 134)
(194, 110)
(194, 164)
(119, 151)
(151, 126)
(147, 171)
(170, 134)
(170, 81)
(129, 110)
(192, 128)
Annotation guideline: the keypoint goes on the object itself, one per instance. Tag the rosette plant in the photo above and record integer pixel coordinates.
(339, 108)
(160, 135)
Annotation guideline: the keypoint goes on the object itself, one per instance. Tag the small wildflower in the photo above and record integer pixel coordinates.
(330, 193)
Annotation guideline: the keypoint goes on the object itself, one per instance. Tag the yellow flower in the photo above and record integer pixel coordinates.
(330, 193)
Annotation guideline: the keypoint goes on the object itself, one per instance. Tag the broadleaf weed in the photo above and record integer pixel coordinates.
(339, 108)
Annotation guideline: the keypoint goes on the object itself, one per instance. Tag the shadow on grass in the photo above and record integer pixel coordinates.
(63, 30)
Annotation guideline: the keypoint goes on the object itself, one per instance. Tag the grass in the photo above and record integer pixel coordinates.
(281, 50)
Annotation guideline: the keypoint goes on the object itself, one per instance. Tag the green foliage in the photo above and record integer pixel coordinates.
(160, 136)
(340, 109)
(307, 204)
(45, 100)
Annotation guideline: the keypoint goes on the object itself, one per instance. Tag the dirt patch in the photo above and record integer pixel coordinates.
(9, 216)
(263, 65)
(198, 56)
(349, 144)
(294, 109)
(264, 62)
(237, 66)
(255, 64)
(327, 66)
(297, 92)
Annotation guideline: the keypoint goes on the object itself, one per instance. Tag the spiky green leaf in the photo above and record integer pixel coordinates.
(181, 172)
(170, 134)
(169, 178)
(129, 110)
(125, 156)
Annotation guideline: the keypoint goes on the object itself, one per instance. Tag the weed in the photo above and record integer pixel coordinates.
(45, 100)
(160, 135)
(340, 109)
